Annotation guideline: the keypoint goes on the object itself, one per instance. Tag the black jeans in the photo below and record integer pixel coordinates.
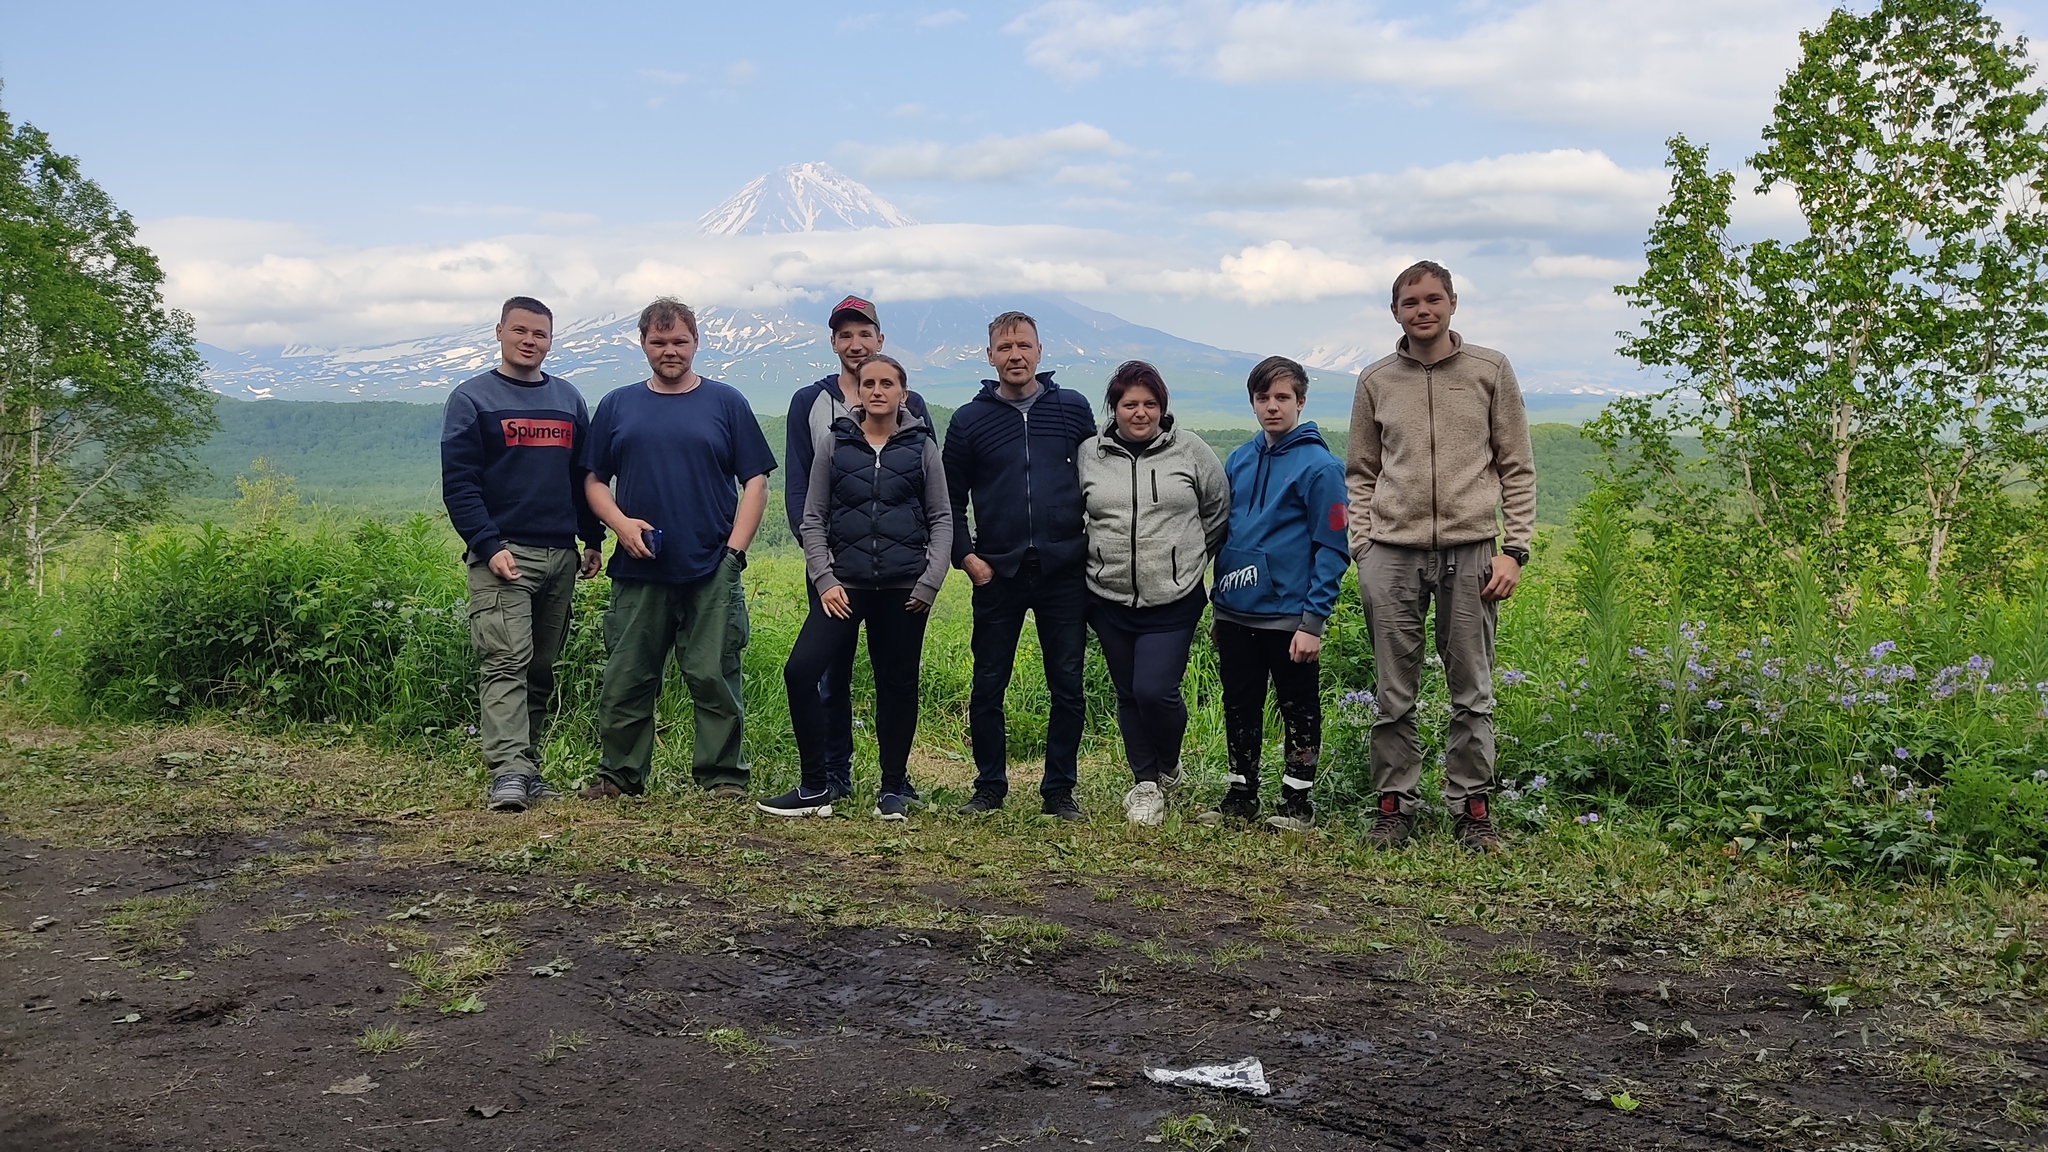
(1059, 602)
(1146, 668)
(895, 650)
(1246, 659)
(835, 693)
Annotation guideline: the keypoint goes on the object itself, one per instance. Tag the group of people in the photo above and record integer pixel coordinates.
(1114, 527)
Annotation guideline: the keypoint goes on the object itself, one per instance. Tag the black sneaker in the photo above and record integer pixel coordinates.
(1474, 828)
(538, 789)
(1391, 827)
(892, 806)
(798, 802)
(1062, 808)
(509, 794)
(982, 801)
(1240, 803)
(1295, 814)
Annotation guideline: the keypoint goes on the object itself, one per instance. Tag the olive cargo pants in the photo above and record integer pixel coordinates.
(704, 622)
(518, 627)
(1397, 585)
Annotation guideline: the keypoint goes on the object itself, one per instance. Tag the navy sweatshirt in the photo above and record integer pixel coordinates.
(1019, 474)
(811, 413)
(509, 464)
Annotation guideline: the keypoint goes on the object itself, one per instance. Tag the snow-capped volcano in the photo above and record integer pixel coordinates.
(810, 197)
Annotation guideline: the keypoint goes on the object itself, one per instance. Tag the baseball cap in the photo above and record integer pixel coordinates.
(853, 307)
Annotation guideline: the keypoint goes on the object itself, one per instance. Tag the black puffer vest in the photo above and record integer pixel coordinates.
(878, 530)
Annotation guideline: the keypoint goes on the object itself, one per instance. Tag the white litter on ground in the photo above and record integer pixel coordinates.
(1246, 1075)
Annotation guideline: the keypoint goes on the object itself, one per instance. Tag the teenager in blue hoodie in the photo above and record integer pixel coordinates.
(1276, 585)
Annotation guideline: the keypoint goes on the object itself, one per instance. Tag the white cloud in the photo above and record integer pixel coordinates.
(1275, 272)
(1109, 176)
(907, 111)
(989, 158)
(740, 72)
(1565, 190)
(1701, 64)
(941, 19)
(1585, 268)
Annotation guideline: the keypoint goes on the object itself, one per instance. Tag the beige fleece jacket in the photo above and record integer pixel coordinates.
(1440, 453)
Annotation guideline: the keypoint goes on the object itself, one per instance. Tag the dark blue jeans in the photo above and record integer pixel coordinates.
(835, 694)
(1059, 602)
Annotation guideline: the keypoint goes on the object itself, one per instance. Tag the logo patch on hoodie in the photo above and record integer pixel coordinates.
(1245, 577)
(521, 432)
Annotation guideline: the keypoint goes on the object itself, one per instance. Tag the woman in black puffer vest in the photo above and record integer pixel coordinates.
(878, 540)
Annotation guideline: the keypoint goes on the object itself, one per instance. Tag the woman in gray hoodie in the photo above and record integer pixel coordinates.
(1157, 507)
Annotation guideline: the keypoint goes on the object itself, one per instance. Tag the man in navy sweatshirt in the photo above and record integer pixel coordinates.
(1010, 452)
(510, 446)
(856, 335)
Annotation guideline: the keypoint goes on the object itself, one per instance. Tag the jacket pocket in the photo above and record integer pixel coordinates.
(1242, 578)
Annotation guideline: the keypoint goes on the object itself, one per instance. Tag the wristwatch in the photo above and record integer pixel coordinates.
(739, 557)
(1519, 555)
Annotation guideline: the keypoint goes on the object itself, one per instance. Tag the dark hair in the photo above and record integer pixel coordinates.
(1009, 320)
(1416, 271)
(902, 377)
(1134, 374)
(667, 312)
(1271, 371)
(525, 304)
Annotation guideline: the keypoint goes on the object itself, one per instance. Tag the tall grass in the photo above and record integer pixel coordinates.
(1867, 734)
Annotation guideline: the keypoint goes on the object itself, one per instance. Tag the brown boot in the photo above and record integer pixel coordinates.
(601, 789)
(1475, 828)
(1392, 827)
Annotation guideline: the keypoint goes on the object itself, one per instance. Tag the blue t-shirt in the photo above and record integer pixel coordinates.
(679, 461)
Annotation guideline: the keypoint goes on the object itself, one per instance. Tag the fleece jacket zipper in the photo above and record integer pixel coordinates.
(1134, 526)
(1429, 390)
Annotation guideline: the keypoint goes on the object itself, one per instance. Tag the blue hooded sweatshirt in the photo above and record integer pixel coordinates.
(1287, 550)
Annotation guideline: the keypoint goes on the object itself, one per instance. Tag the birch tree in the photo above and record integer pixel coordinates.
(100, 393)
(1871, 388)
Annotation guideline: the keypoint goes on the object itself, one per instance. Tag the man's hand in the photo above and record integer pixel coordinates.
(592, 558)
(916, 605)
(1506, 574)
(1307, 648)
(977, 569)
(631, 536)
(833, 601)
(503, 566)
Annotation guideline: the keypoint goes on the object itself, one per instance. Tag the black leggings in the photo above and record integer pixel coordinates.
(895, 649)
(1146, 668)
(1246, 658)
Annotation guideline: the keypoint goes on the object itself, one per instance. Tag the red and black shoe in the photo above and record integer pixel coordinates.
(1391, 827)
(1475, 828)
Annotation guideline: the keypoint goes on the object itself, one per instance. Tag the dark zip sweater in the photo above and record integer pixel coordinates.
(1019, 476)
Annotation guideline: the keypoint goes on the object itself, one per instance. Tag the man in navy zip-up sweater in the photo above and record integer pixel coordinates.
(856, 335)
(510, 441)
(1010, 453)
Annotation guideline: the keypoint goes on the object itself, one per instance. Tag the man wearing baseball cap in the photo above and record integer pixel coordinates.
(856, 335)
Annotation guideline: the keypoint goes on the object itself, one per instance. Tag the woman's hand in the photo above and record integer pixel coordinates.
(833, 601)
(916, 605)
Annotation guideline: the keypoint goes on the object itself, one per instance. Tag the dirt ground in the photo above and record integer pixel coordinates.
(161, 998)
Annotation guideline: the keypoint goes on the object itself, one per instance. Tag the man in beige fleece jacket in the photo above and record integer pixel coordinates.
(1439, 460)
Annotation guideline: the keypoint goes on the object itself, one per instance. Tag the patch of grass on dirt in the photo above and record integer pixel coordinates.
(1933, 1069)
(147, 925)
(1200, 1132)
(382, 1039)
(734, 1042)
(560, 1045)
(455, 975)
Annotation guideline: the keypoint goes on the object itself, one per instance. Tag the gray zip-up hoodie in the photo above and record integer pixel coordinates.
(1155, 518)
(1440, 453)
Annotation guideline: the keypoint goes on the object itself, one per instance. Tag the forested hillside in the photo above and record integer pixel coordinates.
(385, 456)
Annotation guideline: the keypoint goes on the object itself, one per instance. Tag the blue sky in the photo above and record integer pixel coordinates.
(1246, 174)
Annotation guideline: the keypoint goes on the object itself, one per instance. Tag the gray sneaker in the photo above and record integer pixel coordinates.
(1173, 777)
(538, 789)
(510, 794)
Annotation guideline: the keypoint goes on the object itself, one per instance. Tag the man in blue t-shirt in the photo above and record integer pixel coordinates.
(679, 470)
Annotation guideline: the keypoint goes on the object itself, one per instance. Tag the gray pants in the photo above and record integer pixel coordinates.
(1397, 585)
(518, 627)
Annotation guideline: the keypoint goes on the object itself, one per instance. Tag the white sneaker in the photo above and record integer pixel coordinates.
(1175, 778)
(1145, 804)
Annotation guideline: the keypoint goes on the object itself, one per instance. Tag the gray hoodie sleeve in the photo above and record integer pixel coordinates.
(1212, 494)
(817, 551)
(938, 515)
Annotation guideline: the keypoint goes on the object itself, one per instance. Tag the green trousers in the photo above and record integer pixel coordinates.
(704, 623)
(518, 627)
